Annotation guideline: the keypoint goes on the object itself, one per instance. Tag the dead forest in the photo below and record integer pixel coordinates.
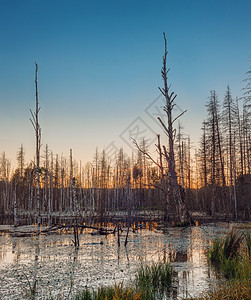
(177, 183)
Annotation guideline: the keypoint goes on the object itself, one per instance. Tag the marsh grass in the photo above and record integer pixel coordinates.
(151, 282)
(248, 243)
(231, 254)
(115, 292)
(31, 292)
(157, 275)
(231, 290)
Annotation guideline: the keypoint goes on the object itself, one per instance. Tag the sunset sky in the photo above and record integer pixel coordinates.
(99, 67)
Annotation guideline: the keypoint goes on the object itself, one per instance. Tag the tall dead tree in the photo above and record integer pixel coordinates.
(169, 130)
(218, 136)
(204, 153)
(228, 112)
(247, 123)
(20, 160)
(239, 130)
(213, 154)
(35, 123)
(174, 195)
(50, 190)
(14, 196)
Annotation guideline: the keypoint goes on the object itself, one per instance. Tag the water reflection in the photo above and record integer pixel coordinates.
(57, 267)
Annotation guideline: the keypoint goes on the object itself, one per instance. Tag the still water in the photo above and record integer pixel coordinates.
(57, 268)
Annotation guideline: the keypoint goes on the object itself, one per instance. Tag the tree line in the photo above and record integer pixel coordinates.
(213, 179)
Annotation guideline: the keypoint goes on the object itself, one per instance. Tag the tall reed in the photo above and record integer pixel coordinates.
(232, 254)
(151, 282)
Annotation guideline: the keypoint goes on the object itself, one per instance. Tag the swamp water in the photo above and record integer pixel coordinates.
(52, 263)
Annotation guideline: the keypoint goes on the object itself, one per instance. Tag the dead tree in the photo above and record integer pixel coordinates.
(50, 190)
(169, 130)
(71, 177)
(35, 123)
(74, 202)
(174, 190)
(15, 204)
(20, 160)
(246, 123)
(204, 153)
(76, 238)
(213, 157)
(218, 136)
(239, 130)
(46, 196)
(228, 112)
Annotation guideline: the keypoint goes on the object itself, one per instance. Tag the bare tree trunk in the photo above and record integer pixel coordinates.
(228, 107)
(80, 187)
(219, 140)
(46, 198)
(15, 205)
(213, 156)
(71, 177)
(51, 183)
(240, 136)
(76, 237)
(50, 198)
(235, 197)
(37, 128)
(182, 164)
(204, 149)
(189, 163)
(31, 186)
(129, 207)
(174, 190)
(181, 208)
(62, 185)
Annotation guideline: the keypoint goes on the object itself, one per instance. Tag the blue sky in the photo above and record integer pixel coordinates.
(99, 66)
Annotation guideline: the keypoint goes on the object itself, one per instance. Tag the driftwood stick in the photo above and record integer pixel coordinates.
(62, 227)
(128, 228)
(118, 228)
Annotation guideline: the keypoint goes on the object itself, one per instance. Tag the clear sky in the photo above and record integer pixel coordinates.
(99, 66)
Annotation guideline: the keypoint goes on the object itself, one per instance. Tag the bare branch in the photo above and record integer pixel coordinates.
(174, 133)
(145, 153)
(171, 95)
(179, 116)
(33, 124)
(166, 155)
(33, 116)
(162, 92)
(162, 123)
(173, 98)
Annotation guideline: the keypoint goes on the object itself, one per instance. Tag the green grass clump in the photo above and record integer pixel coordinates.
(215, 252)
(232, 254)
(84, 295)
(150, 281)
(115, 292)
(153, 279)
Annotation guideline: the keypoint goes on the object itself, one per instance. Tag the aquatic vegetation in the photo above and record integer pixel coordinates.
(158, 275)
(232, 254)
(149, 281)
(31, 292)
(115, 292)
(247, 237)
(231, 290)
